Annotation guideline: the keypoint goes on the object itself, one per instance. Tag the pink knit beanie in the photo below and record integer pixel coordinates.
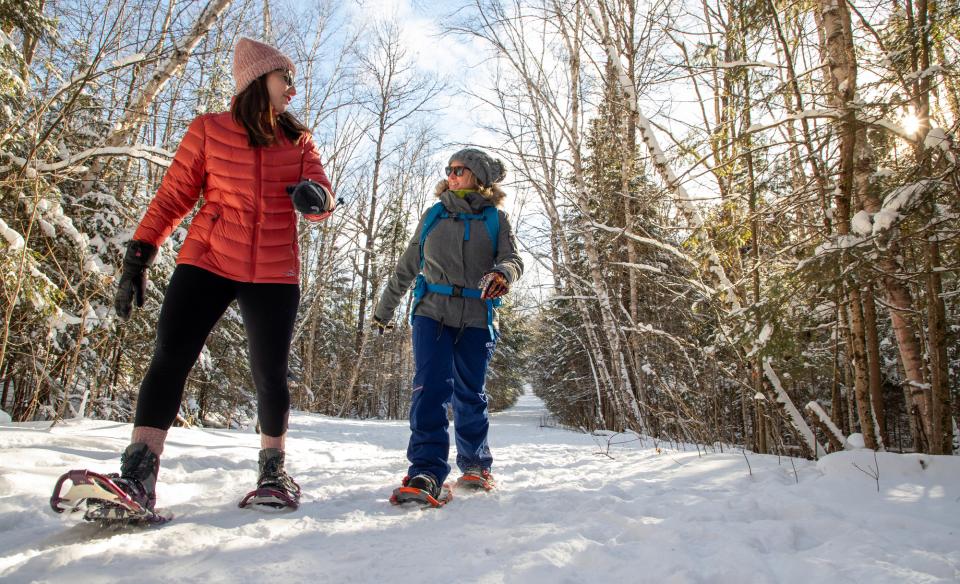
(251, 59)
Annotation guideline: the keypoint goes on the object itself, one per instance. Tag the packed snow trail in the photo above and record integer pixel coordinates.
(564, 512)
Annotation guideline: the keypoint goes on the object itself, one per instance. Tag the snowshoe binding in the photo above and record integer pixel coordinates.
(275, 488)
(475, 478)
(114, 499)
(423, 490)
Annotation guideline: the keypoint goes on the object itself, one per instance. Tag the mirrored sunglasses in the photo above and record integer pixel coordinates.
(287, 76)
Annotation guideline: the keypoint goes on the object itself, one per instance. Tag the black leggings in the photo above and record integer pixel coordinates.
(195, 301)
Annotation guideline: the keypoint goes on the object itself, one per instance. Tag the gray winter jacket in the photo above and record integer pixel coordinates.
(448, 259)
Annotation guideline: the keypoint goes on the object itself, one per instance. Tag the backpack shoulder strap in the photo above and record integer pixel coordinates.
(491, 220)
(429, 222)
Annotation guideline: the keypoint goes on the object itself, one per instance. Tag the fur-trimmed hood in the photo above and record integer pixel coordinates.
(494, 194)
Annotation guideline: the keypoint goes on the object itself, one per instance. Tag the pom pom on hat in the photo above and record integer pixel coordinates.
(488, 170)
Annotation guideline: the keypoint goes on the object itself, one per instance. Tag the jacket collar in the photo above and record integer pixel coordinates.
(471, 203)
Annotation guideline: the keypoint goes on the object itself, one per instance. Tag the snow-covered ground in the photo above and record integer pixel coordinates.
(564, 512)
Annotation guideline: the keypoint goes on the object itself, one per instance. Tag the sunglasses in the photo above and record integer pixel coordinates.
(287, 76)
(456, 170)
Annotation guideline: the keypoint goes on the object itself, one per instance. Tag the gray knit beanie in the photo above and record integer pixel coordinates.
(487, 170)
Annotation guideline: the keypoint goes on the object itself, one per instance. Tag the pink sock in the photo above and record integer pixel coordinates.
(272, 441)
(152, 437)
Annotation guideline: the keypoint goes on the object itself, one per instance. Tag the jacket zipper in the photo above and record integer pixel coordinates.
(257, 195)
(463, 274)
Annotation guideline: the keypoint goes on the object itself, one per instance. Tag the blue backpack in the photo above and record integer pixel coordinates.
(491, 220)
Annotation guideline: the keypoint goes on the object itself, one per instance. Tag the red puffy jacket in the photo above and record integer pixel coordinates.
(246, 229)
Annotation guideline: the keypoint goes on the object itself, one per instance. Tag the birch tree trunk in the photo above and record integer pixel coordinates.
(873, 361)
(617, 356)
(138, 109)
(625, 30)
(864, 168)
(941, 426)
(941, 420)
(839, 57)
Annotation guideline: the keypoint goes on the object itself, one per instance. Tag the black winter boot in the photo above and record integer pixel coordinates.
(273, 476)
(425, 483)
(139, 468)
(422, 489)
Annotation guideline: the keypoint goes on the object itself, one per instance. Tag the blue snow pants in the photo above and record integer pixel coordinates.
(448, 369)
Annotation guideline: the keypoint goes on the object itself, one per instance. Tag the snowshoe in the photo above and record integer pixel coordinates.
(124, 498)
(423, 490)
(476, 479)
(275, 488)
(106, 502)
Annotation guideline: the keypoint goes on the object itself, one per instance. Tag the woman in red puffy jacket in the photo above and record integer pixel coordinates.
(255, 166)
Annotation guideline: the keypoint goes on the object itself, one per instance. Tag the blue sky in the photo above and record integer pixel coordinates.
(458, 118)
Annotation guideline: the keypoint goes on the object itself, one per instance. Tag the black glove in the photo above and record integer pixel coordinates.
(133, 280)
(381, 325)
(310, 198)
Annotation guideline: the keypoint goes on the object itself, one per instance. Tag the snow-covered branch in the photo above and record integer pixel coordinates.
(152, 154)
(673, 250)
(706, 290)
(804, 115)
(798, 422)
(895, 207)
(12, 236)
(834, 433)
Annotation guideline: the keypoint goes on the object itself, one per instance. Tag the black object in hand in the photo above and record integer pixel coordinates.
(310, 198)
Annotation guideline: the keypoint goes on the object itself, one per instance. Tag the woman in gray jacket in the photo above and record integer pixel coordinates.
(462, 259)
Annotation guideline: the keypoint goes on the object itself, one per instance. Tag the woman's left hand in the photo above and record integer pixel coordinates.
(493, 285)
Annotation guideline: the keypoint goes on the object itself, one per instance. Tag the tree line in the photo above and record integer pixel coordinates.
(743, 215)
(750, 215)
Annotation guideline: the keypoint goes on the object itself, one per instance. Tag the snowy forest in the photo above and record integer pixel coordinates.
(741, 219)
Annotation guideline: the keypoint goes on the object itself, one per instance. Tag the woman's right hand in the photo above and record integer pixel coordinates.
(133, 280)
(493, 285)
(381, 326)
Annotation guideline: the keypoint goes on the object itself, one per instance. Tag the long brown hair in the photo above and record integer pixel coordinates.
(251, 109)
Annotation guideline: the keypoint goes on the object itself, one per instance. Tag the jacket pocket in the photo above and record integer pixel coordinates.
(211, 213)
